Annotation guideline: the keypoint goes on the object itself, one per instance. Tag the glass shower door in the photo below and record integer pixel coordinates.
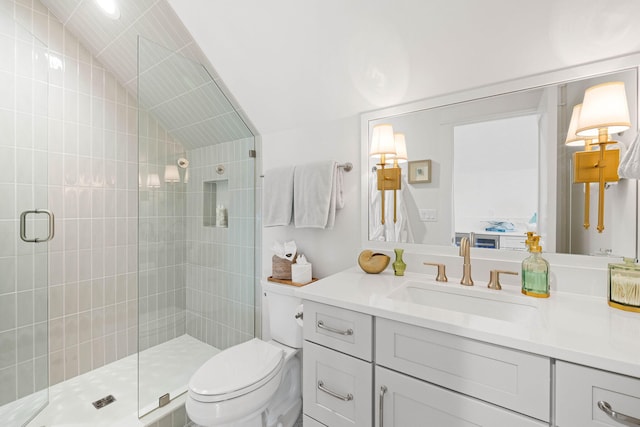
(25, 224)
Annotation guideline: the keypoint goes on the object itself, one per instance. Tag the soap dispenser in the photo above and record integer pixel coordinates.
(535, 271)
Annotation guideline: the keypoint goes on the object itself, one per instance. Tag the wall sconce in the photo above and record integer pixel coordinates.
(574, 140)
(383, 146)
(153, 180)
(171, 174)
(604, 111)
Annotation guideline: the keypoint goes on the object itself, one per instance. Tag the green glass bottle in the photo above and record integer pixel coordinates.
(398, 265)
(535, 271)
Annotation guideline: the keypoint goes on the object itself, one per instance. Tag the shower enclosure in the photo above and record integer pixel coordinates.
(24, 222)
(196, 223)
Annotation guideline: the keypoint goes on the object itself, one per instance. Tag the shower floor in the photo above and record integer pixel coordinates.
(165, 368)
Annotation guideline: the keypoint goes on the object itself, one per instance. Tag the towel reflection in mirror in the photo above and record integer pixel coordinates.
(401, 230)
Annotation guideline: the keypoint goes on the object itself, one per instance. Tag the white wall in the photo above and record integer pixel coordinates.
(328, 250)
(304, 72)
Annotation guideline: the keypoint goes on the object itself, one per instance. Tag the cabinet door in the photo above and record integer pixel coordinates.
(336, 387)
(512, 379)
(408, 402)
(579, 389)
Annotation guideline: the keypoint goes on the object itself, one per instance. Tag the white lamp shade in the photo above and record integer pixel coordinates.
(382, 141)
(604, 106)
(401, 148)
(574, 140)
(153, 180)
(171, 173)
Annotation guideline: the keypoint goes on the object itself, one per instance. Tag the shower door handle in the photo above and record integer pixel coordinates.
(23, 225)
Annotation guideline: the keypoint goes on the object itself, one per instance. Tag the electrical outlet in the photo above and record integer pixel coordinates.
(428, 215)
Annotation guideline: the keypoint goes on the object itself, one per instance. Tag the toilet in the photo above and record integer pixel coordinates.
(256, 383)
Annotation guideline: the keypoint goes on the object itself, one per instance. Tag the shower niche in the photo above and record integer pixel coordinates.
(215, 202)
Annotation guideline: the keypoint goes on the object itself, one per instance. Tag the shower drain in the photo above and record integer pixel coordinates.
(101, 403)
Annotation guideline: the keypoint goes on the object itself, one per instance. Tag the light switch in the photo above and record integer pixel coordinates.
(428, 215)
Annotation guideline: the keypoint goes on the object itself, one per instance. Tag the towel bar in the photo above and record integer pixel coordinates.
(348, 166)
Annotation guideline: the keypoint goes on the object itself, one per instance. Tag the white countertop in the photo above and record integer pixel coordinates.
(575, 328)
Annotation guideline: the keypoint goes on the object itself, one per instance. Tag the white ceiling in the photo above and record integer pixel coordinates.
(296, 64)
(175, 88)
(292, 63)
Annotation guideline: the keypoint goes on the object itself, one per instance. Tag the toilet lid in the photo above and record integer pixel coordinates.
(236, 371)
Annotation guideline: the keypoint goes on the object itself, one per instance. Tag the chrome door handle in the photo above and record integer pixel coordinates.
(621, 418)
(23, 225)
(321, 325)
(346, 398)
(383, 390)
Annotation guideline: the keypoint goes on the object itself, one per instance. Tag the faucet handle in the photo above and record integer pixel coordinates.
(494, 278)
(442, 276)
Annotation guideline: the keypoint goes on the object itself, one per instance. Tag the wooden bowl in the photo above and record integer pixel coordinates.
(373, 263)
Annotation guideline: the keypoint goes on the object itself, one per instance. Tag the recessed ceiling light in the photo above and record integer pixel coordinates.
(109, 8)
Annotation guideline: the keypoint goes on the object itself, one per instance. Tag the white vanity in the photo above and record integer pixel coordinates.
(385, 351)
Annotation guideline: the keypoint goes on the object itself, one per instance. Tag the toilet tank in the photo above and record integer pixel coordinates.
(283, 306)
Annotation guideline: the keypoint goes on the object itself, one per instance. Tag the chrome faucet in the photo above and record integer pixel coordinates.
(465, 251)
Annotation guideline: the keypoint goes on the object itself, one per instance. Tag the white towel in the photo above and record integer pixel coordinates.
(317, 193)
(277, 200)
(630, 164)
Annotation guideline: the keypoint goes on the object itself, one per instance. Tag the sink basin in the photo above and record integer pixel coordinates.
(498, 305)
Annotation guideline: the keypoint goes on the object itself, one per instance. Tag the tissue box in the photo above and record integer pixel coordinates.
(281, 268)
(301, 273)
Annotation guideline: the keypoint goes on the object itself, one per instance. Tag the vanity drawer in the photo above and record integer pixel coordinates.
(408, 402)
(343, 330)
(508, 378)
(336, 387)
(579, 389)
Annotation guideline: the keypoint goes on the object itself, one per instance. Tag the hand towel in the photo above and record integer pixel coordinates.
(317, 193)
(630, 164)
(277, 200)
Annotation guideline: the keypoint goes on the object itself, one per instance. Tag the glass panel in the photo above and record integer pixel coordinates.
(196, 223)
(24, 353)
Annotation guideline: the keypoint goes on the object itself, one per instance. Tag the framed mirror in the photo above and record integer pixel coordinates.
(499, 167)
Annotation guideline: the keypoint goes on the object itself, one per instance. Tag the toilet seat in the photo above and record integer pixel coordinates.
(236, 371)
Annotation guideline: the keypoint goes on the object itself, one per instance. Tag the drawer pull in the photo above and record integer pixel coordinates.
(383, 390)
(346, 398)
(321, 325)
(621, 418)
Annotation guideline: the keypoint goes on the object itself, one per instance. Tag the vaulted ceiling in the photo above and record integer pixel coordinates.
(174, 86)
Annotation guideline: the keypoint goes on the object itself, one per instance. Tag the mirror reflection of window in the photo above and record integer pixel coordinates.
(495, 178)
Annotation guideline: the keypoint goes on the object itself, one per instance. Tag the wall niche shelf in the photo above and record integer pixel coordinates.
(215, 202)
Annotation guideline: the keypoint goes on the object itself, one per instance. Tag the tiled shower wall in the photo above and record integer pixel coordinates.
(220, 272)
(162, 237)
(92, 188)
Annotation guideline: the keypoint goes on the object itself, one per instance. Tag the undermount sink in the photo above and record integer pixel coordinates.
(498, 305)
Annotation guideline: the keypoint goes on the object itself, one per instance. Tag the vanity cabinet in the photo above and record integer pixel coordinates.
(403, 401)
(337, 366)
(579, 390)
(509, 378)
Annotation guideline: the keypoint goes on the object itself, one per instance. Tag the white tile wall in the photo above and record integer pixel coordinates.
(220, 261)
(91, 130)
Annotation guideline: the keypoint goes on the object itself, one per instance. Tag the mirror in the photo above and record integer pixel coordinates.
(499, 167)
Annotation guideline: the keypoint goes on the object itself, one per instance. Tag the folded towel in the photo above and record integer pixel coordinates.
(317, 193)
(277, 202)
(630, 164)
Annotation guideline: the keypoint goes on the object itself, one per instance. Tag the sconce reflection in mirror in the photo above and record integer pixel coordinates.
(604, 112)
(388, 147)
